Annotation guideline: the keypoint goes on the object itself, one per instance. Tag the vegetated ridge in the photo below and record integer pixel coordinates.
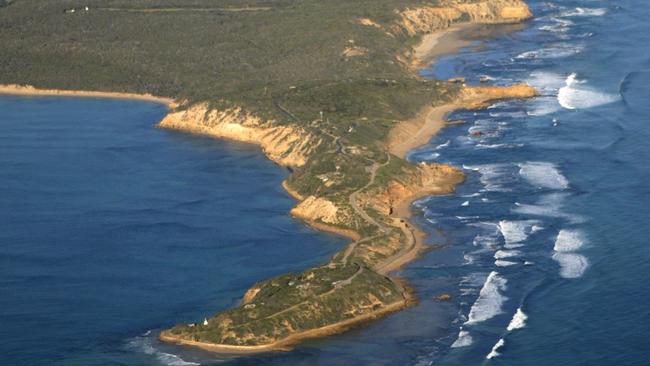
(326, 89)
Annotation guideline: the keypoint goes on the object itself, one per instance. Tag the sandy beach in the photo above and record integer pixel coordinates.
(28, 90)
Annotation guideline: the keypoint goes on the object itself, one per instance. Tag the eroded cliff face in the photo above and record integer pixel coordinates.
(427, 19)
(425, 179)
(476, 97)
(317, 209)
(288, 145)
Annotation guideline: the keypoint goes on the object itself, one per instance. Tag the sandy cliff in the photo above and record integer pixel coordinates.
(427, 19)
(288, 145)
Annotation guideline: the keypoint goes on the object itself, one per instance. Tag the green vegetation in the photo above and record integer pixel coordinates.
(335, 68)
(319, 297)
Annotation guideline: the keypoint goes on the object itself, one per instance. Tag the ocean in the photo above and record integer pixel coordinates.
(111, 230)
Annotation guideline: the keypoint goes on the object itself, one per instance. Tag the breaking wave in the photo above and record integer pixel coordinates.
(490, 299)
(514, 232)
(584, 12)
(464, 339)
(144, 344)
(496, 347)
(575, 95)
(549, 205)
(572, 265)
(495, 177)
(504, 263)
(569, 240)
(518, 320)
(543, 175)
(560, 51)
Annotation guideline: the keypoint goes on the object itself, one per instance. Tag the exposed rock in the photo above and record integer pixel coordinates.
(476, 97)
(316, 208)
(286, 145)
(427, 19)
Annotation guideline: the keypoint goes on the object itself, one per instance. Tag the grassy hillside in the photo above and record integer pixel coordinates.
(244, 52)
(327, 78)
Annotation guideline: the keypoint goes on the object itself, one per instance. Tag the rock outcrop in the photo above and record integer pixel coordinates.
(287, 145)
(427, 19)
(317, 209)
(476, 97)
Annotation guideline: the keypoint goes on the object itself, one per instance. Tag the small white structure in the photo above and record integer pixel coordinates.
(205, 321)
(86, 8)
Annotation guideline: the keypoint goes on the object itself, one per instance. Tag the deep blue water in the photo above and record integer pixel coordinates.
(110, 228)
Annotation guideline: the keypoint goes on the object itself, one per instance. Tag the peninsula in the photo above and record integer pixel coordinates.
(328, 89)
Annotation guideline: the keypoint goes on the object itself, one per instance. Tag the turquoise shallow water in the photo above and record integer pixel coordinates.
(111, 229)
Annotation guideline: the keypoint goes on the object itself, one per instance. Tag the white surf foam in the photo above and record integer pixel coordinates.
(496, 347)
(559, 51)
(576, 95)
(584, 12)
(499, 146)
(494, 177)
(549, 205)
(465, 204)
(504, 263)
(558, 25)
(503, 254)
(514, 232)
(518, 320)
(542, 106)
(490, 299)
(442, 146)
(572, 265)
(543, 175)
(569, 240)
(144, 344)
(546, 82)
(464, 339)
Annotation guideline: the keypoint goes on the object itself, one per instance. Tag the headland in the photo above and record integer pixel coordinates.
(341, 115)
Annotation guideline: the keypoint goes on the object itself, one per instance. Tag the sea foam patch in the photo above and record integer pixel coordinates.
(559, 51)
(577, 95)
(515, 232)
(543, 175)
(494, 353)
(549, 205)
(144, 344)
(584, 12)
(569, 240)
(464, 339)
(494, 177)
(572, 265)
(518, 320)
(490, 299)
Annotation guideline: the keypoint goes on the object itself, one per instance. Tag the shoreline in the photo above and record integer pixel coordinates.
(428, 122)
(441, 43)
(286, 344)
(410, 134)
(28, 90)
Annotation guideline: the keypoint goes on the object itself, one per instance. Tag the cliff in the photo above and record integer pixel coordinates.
(287, 145)
(427, 19)
(349, 184)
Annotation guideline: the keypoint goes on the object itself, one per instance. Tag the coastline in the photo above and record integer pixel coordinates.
(440, 43)
(410, 134)
(286, 343)
(28, 90)
(414, 133)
